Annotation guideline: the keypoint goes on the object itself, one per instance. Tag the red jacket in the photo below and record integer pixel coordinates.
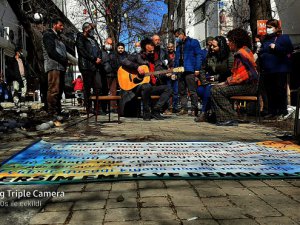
(244, 67)
(78, 84)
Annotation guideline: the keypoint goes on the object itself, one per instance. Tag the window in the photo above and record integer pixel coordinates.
(199, 13)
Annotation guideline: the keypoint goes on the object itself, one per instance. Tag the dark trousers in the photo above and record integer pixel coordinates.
(146, 90)
(187, 81)
(112, 86)
(89, 82)
(204, 92)
(44, 89)
(56, 83)
(276, 90)
(220, 97)
(173, 84)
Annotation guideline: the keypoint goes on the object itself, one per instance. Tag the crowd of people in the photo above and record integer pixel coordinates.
(228, 66)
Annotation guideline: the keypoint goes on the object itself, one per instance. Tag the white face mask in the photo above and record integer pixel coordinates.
(258, 44)
(108, 47)
(270, 30)
(138, 49)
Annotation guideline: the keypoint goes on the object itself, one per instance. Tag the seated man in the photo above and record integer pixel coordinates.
(243, 79)
(135, 62)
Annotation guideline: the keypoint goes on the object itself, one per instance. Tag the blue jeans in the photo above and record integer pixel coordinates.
(173, 84)
(204, 93)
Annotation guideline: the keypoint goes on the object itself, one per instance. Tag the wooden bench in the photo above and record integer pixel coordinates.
(248, 98)
(107, 98)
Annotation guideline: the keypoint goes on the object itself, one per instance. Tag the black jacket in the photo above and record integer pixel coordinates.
(54, 52)
(88, 52)
(163, 55)
(110, 63)
(13, 72)
(133, 61)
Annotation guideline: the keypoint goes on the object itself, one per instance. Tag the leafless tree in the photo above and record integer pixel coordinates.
(124, 20)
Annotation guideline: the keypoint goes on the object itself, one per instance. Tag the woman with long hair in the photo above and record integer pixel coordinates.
(275, 64)
(242, 81)
(216, 68)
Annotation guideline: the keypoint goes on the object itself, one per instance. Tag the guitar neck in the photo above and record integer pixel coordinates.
(158, 72)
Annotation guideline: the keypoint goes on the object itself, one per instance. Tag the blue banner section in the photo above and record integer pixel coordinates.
(67, 162)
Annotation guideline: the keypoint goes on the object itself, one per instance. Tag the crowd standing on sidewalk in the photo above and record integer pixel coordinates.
(227, 66)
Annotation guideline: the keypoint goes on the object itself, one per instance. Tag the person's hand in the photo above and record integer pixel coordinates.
(173, 77)
(140, 70)
(222, 84)
(211, 78)
(98, 61)
(197, 73)
(272, 46)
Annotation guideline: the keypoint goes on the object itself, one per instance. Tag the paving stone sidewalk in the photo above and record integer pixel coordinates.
(159, 202)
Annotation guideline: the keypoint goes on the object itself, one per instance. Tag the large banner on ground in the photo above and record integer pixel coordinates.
(45, 162)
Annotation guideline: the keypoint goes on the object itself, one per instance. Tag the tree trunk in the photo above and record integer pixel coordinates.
(259, 10)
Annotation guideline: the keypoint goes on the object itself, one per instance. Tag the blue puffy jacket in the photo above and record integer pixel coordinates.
(276, 60)
(191, 55)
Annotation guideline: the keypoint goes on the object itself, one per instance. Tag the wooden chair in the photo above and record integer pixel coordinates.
(107, 98)
(251, 98)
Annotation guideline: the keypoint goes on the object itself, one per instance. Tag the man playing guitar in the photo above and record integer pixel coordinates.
(137, 63)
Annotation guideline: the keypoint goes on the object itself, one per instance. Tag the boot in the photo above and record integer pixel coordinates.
(194, 112)
(182, 112)
(201, 118)
(147, 116)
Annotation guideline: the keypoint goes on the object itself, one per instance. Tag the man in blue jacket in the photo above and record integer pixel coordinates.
(188, 55)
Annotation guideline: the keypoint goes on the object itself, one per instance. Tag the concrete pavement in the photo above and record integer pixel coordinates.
(164, 202)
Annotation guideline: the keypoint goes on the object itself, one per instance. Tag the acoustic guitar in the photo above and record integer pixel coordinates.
(129, 79)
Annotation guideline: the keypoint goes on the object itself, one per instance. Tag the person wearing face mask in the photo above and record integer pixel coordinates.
(275, 64)
(89, 61)
(55, 63)
(257, 46)
(188, 55)
(110, 69)
(135, 62)
(137, 47)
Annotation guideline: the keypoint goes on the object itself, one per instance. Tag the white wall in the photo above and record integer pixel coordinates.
(288, 12)
(9, 20)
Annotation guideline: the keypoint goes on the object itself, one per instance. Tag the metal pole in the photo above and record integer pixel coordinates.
(218, 19)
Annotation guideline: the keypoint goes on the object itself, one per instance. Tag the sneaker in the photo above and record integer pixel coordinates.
(182, 112)
(167, 112)
(228, 123)
(156, 115)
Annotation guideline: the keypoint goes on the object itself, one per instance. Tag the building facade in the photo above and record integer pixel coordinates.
(11, 34)
(204, 18)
